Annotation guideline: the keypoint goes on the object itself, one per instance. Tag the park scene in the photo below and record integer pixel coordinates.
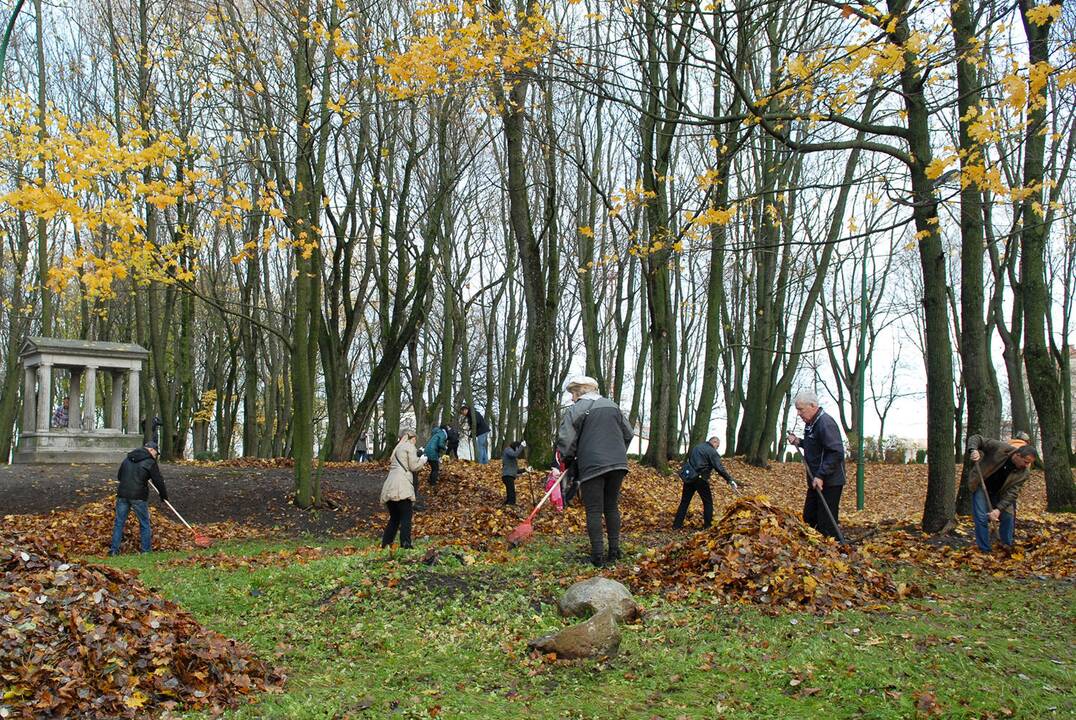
(658, 360)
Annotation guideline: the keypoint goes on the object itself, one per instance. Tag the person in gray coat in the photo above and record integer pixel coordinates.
(593, 437)
(510, 469)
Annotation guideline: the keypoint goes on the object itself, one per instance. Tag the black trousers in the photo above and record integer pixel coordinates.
(435, 471)
(702, 487)
(815, 515)
(601, 499)
(509, 489)
(399, 519)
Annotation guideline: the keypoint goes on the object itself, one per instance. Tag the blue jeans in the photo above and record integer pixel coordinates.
(483, 448)
(123, 507)
(982, 522)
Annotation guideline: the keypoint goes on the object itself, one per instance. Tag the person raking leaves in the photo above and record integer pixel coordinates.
(398, 492)
(1001, 469)
(701, 462)
(594, 436)
(436, 446)
(135, 473)
(510, 469)
(823, 453)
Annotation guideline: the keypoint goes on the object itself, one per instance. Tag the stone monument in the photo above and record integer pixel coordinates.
(81, 441)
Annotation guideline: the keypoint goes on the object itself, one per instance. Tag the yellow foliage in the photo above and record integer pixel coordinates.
(713, 216)
(96, 184)
(456, 45)
(1043, 14)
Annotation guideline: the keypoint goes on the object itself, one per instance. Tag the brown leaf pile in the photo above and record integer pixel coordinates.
(87, 530)
(89, 641)
(761, 554)
(1043, 548)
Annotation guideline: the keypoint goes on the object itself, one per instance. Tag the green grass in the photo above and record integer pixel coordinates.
(450, 641)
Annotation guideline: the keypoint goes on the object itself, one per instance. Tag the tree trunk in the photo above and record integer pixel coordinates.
(1042, 372)
(939, 506)
(984, 408)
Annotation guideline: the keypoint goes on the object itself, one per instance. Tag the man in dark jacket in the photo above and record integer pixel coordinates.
(1003, 469)
(705, 459)
(136, 471)
(481, 431)
(453, 442)
(596, 434)
(824, 451)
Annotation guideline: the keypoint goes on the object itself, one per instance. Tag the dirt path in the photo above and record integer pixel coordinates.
(253, 496)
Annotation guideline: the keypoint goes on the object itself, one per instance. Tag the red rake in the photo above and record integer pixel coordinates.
(200, 539)
(524, 530)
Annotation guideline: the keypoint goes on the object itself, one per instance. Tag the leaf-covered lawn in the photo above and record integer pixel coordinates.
(362, 633)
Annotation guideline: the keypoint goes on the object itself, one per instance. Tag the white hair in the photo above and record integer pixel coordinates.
(806, 397)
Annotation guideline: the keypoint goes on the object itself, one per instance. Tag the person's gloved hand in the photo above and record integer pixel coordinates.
(733, 485)
(421, 452)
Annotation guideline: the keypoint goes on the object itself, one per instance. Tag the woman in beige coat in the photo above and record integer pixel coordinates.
(398, 492)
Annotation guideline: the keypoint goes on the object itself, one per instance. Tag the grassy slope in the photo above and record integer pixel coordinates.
(449, 641)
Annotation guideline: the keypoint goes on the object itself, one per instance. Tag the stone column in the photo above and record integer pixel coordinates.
(74, 411)
(90, 410)
(44, 397)
(116, 416)
(134, 402)
(29, 399)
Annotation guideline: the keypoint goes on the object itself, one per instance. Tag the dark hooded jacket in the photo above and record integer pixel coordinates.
(478, 422)
(135, 472)
(705, 459)
(824, 450)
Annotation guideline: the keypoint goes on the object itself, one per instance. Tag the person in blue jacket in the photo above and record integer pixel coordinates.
(824, 451)
(435, 448)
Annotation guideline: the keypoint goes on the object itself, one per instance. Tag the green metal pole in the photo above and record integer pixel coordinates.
(7, 34)
(862, 372)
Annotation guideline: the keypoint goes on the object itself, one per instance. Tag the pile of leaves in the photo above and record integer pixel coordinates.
(761, 554)
(1043, 548)
(90, 641)
(87, 530)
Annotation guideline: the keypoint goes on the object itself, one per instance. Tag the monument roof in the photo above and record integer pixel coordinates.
(56, 346)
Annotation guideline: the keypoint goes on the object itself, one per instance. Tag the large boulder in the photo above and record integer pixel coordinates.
(595, 638)
(593, 595)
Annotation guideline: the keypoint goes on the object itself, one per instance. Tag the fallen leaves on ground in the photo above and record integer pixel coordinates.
(760, 554)
(278, 462)
(1043, 548)
(465, 509)
(80, 640)
(87, 530)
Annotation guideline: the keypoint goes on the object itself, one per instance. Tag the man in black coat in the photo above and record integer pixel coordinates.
(823, 450)
(135, 473)
(480, 428)
(705, 459)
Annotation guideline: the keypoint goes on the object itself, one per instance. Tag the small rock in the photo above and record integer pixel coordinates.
(597, 637)
(593, 595)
